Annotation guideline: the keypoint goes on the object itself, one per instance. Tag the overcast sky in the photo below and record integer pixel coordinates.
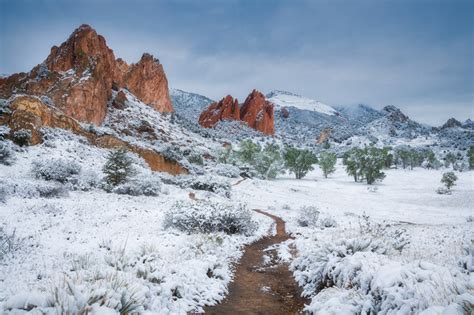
(415, 54)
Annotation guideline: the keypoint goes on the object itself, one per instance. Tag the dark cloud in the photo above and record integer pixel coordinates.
(413, 54)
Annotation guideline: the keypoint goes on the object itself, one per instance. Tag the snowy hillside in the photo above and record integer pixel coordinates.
(288, 99)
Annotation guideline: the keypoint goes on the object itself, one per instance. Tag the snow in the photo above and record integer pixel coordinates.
(428, 267)
(94, 239)
(287, 99)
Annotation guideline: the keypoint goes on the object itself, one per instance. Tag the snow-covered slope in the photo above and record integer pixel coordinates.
(287, 99)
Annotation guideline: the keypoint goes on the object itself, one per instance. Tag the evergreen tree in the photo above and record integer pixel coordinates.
(449, 179)
(299, 162)
(118, 168)
(327, 162)
(226, 155)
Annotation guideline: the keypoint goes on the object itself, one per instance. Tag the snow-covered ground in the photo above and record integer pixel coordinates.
(427, 273)
(90, 244)
(97, 245)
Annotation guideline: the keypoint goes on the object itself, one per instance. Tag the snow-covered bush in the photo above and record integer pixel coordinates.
(49, 190)
(215, 184)
(9, 242)
(443, 191)
(22, 137)
(308, 216)
(227, 170)
(208, 216)
(357, 275)
(143, 186)
(84, 181)
(327, 222)
(27, 189)
(109, 294)
(60, 170)
(196, 159)
(6, 154)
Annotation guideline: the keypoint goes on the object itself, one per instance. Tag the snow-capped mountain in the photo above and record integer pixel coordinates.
(288, 99)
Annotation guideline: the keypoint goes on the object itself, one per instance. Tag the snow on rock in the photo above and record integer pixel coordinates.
(287, 99)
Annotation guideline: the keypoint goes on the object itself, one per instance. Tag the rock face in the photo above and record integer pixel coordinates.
(147, 81)
(256, 111)
(226, 109)
(30, 113)
(451, 123)
(394, 114)
(78, 77)
(324, 135)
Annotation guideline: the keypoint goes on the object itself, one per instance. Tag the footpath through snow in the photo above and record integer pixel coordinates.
(262, 284)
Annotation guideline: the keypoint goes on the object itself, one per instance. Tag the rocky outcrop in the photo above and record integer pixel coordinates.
(147, 81)
(30, 113)
(257, 112)
(79, 75)
(284, 112)
(451, 123)
(324, 135)
(394, 114)
(226, 109)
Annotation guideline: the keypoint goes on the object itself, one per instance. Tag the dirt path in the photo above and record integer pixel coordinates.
(262, 285)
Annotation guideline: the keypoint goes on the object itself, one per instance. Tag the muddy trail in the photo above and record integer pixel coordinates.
(262, 284)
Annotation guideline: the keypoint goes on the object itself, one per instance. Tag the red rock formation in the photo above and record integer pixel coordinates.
(226, 109)
(284, 112)
(78, 76)
(258, 113)
(147, 81)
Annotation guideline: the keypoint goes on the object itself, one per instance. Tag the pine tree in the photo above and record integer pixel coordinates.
(119, 167)
(327, 162)
(299, 162)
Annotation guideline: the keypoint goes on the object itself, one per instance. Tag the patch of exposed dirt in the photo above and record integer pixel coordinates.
(262, 284)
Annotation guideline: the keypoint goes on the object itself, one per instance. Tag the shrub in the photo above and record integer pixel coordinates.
(139, 187)
(208, 216)
(443, 191)
(227, 170)
(207, 182)
(22, 137)
(327, 222)
(308, 216)
(327, 162)
(299, 162)
(118, 168)
(196, 159)
(9, 242)
(84, 181)
(449, 180)
(51, 190)
(6, 154)
(57, 169)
